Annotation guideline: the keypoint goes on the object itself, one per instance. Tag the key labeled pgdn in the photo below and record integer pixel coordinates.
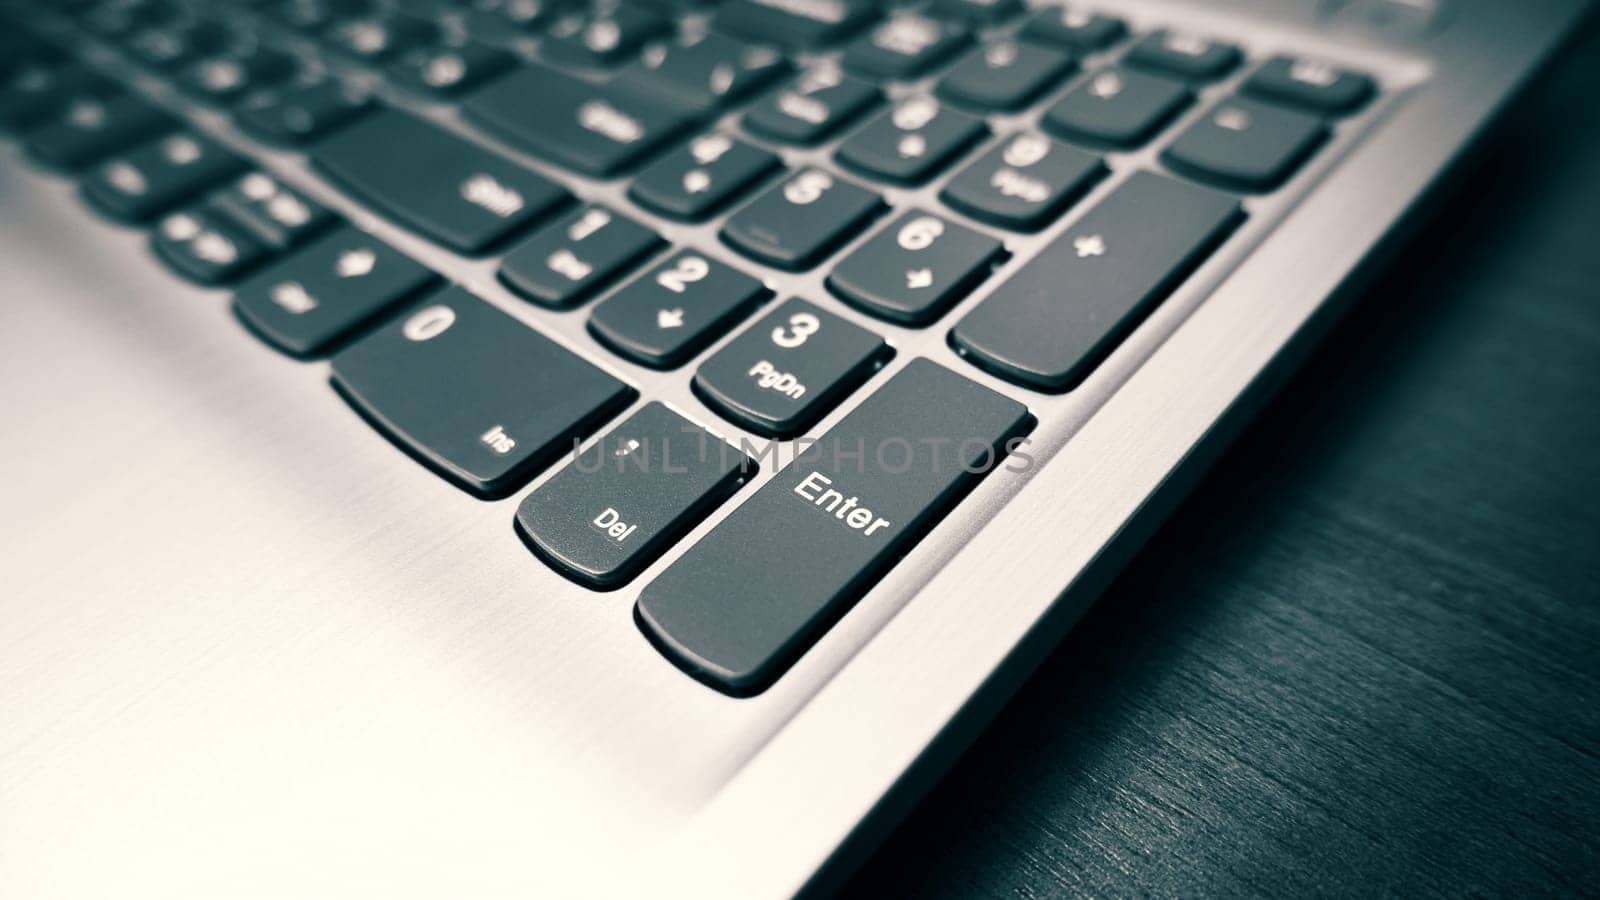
(769, 378)
(784, 373)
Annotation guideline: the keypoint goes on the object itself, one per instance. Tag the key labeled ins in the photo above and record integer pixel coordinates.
(620, 503)
(474, 393)
(789, 369)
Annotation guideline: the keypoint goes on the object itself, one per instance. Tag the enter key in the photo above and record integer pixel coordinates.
(740, 606)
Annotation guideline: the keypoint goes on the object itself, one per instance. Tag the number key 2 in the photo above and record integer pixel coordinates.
(782, 375)
(666, 316)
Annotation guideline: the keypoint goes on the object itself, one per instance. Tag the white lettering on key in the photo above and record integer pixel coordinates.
(293, 298)
(919, 233)
(804, 189)
(497, 440)
(482, 190)
(592, 220)
(610, 522)
(1026, 150)
(815, 488)
(565, 262)
(806, 109)
(1011, 183)
(429, 323)
(905, 36)
(769, 378)
(609, 122)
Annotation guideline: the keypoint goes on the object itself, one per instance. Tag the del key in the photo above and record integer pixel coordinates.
(739, 606)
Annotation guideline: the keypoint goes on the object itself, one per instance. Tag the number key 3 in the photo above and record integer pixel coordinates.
(781, 376)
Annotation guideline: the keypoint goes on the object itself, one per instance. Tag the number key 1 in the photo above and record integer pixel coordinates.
(784, 373)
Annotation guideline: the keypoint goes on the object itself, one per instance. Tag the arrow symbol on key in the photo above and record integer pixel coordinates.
(669, 318)
(916, 279)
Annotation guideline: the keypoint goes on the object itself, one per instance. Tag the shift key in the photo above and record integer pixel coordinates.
(739, 607)
(445, 187)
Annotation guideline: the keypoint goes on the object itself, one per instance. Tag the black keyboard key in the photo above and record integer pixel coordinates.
(229, 76)
(781, 375)
(822, 532)
(34, 91)
(664, 317)
(277, 215)
(1073, 29)
(1185, 55)
(308, 302)
(448, 71)
(975, 12)
(154, 177)
(798, 222)
(456, 192)
(911, 142)
(1024, 183)
(1313, 86)
(295, 114)
(574, 257)
(704, 71)
(205, 246)
(1005, 75)
(602, 38)
(379, 38)
(597, 130)
(1245, 145)
(618, 505)
(1054, 319)
(89, 128)
(701, 177)
(817, 104)
(802, 24)
(473, 393)
(1117, 108)
(904, 47)
(915, 269)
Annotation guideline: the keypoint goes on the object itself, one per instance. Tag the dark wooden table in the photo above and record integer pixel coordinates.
(1364, 657)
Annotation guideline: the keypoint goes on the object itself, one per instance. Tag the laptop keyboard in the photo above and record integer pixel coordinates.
(1002, 111)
